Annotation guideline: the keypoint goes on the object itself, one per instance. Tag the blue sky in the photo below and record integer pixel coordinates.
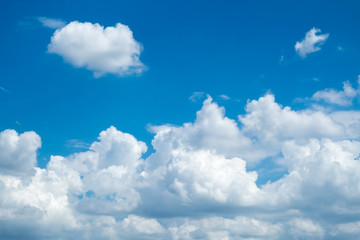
(154, 78)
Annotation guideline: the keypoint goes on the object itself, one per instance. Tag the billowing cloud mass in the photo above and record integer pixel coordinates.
(311, 43)
(102, 50)
(200, 182)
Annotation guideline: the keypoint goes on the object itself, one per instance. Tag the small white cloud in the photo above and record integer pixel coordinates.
(315, 79)
(196, 96)
(224, 97)
(77, 143)
(101, 50)
(341, 98)
(51, 22)
(311, 43)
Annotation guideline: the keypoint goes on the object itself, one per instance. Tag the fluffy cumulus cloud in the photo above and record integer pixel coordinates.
(200, 182)
(341, 98)
(18, 152)
(110, 50)
(311, 43)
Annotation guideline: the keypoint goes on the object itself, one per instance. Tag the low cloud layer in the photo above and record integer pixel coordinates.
(311, 43)
(110, 50)
(201, 181)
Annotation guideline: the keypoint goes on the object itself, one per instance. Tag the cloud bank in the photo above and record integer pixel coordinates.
(110, 50)
(201, 181)
(311, 43)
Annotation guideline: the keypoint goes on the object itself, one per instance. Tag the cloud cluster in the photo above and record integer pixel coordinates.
(311, 43)
(201, 181)
(102, 50)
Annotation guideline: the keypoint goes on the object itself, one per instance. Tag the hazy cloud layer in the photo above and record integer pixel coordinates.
(196, 184)
(102, 50)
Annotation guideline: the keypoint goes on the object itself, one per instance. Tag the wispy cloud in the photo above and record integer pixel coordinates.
(315, 79)
(311, 43)
(4, 90)
(77, 144)
(196, 96)
(224, 97)
(51, 22)
(31, 23)
(282, 58)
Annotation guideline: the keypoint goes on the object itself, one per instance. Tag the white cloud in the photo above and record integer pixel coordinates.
(138, 224)
(341, 98)
(311, 43)
(203, 176)
(51, 22)
(318, 171)
(18, 152)
(211, 131)
(305, 228)
(271, 122)
(269, 125)
(76, 144)
(350, 121)
(196, 185)
(315, 79)
(102, 50)
(348, 228)
(113, 162)
(196, 96)
(214, 228)
(224, 97)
